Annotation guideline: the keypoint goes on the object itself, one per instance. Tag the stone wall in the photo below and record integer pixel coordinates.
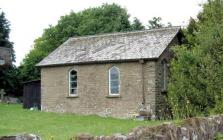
(21, 137)
(93, 92)
(190, 129)
(162, 109)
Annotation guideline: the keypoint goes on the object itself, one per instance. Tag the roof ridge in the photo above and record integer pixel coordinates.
(123, 33)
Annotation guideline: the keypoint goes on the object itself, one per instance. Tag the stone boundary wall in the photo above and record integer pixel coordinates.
(21, 137)
(199, 128)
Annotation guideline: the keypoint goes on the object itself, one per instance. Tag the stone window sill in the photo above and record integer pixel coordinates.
(113, 96)
(76, 96)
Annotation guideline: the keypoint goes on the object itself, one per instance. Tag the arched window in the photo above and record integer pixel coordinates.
(114, 81)
(164, 76)
(73, 83)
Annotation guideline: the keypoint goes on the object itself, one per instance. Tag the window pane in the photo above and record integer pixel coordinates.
(164, 76)
(73, 77)
(113, 76)
(114, 84)
(114, 70)
(114, 80)
(73, 72)
(73, 84)
(73, 91)
(115, 90)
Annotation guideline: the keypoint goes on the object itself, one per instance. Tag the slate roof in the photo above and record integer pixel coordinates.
(146, 44)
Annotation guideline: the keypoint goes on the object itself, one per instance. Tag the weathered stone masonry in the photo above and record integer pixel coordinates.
(204, 128)
(93, 97)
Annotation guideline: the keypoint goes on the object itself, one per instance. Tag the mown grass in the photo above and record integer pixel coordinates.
(15, 120)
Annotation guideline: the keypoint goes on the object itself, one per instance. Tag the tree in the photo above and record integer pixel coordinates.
(9, 75)
(210, 38)
(196, 71)
(190, 32)
(4, 33)
(169, 24)
(137, 25)
(155, 22)
(10, 81)
(104, 19)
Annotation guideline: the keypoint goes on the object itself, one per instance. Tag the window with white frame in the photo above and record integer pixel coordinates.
(73, 83)
(114, 81)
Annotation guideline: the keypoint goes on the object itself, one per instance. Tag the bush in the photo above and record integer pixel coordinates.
(196, 71)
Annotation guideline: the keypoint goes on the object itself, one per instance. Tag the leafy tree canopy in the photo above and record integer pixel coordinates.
(104, 19)
(9, 80)
(137, 25)
(155, 22)
(196, 71)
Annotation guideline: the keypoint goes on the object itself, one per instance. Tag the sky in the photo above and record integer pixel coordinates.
(29, 18)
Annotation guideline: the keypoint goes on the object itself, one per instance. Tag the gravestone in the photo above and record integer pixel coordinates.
(2, 93)
(2, 62)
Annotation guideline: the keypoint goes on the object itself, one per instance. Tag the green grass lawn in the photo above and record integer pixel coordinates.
(14, 120)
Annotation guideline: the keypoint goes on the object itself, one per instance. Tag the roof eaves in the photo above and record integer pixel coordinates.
(98, 62)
